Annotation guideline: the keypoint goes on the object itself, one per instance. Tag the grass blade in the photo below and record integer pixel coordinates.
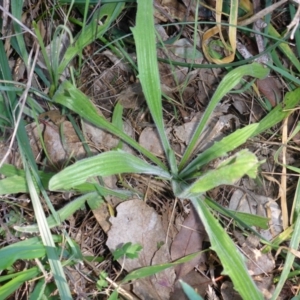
(64, 213)
(104, 164)
(8, 288)
(294, 244)
(228, 172)
(219, 149)
(55, 264)
(70, 97)
(108, 12)
(229, 82)
(231, 259)
(148, 71)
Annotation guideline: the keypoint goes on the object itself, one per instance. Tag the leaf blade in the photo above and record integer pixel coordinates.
(104, 164)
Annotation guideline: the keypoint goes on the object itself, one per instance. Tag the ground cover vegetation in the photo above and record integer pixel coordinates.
(149, 149)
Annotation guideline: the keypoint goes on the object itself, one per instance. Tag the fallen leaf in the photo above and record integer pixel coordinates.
(136, 222)
(102, 140)
(228, 292)
(268, 87)
(260, 205)
(257, 262)
(59, 147)
(196, 280)
(150, 140)
(188, 240)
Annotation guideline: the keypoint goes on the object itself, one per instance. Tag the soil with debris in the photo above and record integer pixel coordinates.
(167, 228)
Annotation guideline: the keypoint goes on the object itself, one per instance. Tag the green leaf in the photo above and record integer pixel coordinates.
(104, 164)
(28, 249)
(129, 250)
(16, 181)
(229, 171)
(231, 259)
(228, 82)
(294, 244)
(64, 213)
(219, 149)
(106, 14)
(285, 48)
(114, 295)
(189, 291)
(102, 282)
(72, 98)
(148, 271)
(46, 236)
(13, 185)
(8, 288)
(280, 112)
(148, 71)
(241, 218)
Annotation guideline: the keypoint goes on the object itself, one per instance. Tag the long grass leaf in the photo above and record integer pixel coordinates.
(219, 149)
(63, 214)
(148, 71)
(55, 264)
(229, 82)
(108, 12)
(285, 48)
(104, 164)
(70, 97)
(294, 244)
(228, 172)
(8, 288)
(28, 249)
(151, 270)
(232, 260)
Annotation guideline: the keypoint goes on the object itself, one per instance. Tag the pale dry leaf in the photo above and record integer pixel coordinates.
(211, 133)
(258, 205)
(60, 151)
(166, 10)
(150, 140)
(266, 286)
(172, 77)
(268, 87)
(183, 49)
(196, 280)
(59, 148)
(188, 240)
(72, 143)
(102, 213)
(136, 222)
(53, 145)
(257, 262)
(228, 292)
(100, 139)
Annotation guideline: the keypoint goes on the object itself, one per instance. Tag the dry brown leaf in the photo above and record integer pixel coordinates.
(102, 213)
(166, 10)
(196, 280)
(188, 240)
(136, 222)
(59, 148)
(257, 262)
(268, 87)
(100, 139)
(150, 140)
(228, 292)
(258, 205)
